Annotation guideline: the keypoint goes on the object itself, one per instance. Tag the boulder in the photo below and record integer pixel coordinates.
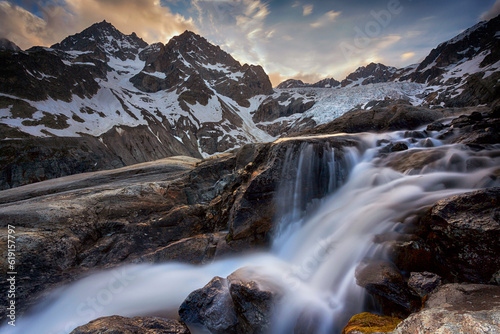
(457, 308)
(137, 325)
(370, 323)
(463, 232)
(254, 298)
(211, 307)
(241, 303)
(423, 283)
(384, 281)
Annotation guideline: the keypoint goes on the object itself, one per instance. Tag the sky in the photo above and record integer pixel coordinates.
(301, 39)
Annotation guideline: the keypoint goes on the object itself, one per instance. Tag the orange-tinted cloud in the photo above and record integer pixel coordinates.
(494, 11)
(148, 19)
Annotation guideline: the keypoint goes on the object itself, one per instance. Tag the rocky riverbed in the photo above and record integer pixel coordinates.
(442, 269)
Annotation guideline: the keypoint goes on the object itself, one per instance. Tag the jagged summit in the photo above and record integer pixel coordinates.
(190, 63)
(371, 73)
(6, 44)
(104, 40)
(293, 83)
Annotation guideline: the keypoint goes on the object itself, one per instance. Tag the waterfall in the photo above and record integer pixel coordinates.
(328, 215)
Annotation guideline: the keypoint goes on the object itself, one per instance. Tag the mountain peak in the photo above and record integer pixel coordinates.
(104, 40)
(371, 73)
(5, 44)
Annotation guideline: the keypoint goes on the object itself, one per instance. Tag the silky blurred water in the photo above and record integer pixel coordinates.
(328, 216)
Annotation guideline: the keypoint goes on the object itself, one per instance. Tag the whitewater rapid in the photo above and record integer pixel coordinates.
(318, 243)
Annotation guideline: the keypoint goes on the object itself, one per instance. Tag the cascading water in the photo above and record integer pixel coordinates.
(329, 214)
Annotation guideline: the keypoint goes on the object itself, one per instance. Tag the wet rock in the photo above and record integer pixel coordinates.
(211, 307)
(457, 308)
(463, 232)
(137, 325)
(436, 126)
(251, 216)
(242, 303)
(424, 282)
(384, 281)
(370, 323)
(412, 255)
(196, 250)
(254, 298)
(104, 219)
(398, 147)
(480, 127)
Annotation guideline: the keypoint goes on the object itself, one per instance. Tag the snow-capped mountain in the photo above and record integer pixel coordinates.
(104, 100)
(293, 83)
(103, 41)
(101, 81)
(5, 44)
(372, 73)
(101, 99)
(460, 72)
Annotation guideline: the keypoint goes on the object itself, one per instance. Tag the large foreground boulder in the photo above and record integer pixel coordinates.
(385, 282)
(457, 308)
(241, 303)
(137, 325)
(463, 233)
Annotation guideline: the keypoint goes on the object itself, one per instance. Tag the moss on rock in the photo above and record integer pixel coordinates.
(371, 323)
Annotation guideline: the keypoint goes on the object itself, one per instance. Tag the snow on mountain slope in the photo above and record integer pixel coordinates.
(191, 89)
(463, 71)
(332, 103)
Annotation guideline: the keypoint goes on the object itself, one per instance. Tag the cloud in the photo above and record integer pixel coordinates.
(408, 55)
(307, 10)
(327, 18)
(21, 27)
(238, 26)
(148, 19)
(493, 12)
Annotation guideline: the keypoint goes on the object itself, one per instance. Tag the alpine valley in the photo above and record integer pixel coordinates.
(101, 99)
(167, 188)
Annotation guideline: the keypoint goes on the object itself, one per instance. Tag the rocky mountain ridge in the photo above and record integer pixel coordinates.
(462, 71)
(189, 97)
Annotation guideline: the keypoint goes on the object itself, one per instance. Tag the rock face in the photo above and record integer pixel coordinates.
(453, 228)
(372, 73)
(136, 325)
(242, 303)
(423, 283)
(392, 115)
(284, 106)
(178, 60)
(79, 91)
(384, 281)
(457, 308)
(5, 44)
(29, 160)
(293, 83)
(103, 40)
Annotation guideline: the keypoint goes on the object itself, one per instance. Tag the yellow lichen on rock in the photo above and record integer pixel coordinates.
(371, 323)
